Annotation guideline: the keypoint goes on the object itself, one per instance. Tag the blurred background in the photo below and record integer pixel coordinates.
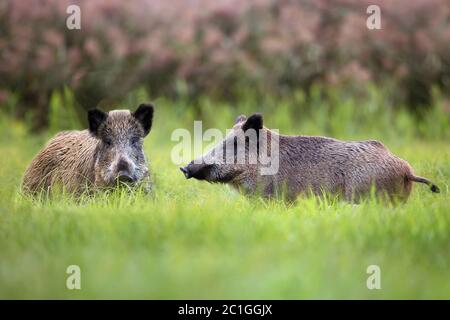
(308, 54)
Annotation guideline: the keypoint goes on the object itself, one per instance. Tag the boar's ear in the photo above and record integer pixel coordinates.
(255, 121)
(240, 118)
(96, 117)
(144, 114)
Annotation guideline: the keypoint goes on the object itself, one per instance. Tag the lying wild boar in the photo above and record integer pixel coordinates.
(109, 152)
(305, 165)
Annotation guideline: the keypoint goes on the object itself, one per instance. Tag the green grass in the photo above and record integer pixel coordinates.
(195, 240)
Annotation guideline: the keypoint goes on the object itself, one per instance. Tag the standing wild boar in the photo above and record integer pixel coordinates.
(111, 151)
(305, 165)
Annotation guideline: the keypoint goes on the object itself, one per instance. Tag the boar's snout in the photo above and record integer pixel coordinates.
(126, 178)
(197, 171)
(186, 172)
(125, 172)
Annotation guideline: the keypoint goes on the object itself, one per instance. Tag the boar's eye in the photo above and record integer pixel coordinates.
(107, 142)
(136, 141)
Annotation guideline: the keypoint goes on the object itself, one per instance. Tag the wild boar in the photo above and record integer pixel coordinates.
(109, 152)
(306, 164)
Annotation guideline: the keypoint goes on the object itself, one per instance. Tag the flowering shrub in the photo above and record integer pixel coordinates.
(220, 48)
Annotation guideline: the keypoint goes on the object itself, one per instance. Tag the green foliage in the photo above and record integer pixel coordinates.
(197, 240)
(62, 113)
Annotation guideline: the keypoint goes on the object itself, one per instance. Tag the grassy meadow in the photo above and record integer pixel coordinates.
(191, 239)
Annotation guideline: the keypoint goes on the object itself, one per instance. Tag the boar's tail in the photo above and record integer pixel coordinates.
(434, 188)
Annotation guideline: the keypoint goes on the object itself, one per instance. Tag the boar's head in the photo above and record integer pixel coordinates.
(234, 159)
(119, 156)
